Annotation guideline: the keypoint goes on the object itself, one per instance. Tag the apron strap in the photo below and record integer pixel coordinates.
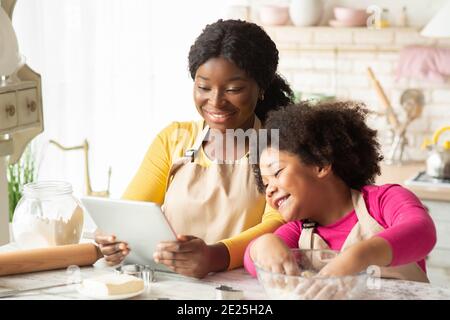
(365, 226)
(364, 217)
(257, 124)
(193, 151)
(306, 240)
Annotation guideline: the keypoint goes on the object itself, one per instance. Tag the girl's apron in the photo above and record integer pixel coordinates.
(365, 228)
(215, 202)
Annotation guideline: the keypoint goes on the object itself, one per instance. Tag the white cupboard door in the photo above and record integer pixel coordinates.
(28, 106)
(8, 110)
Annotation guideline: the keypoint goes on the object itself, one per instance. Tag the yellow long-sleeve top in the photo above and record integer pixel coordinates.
(149, 183)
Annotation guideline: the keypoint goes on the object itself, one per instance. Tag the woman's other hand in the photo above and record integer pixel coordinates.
(271, 254)
(191, 256)
(114, 251)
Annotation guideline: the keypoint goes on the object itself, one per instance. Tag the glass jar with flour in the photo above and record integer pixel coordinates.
(47, 215)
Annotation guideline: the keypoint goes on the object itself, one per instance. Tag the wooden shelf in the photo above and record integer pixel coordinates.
(329, 28)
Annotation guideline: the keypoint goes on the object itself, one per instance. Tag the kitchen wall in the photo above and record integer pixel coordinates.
(335, 61)
(419, 11)
(114, 72)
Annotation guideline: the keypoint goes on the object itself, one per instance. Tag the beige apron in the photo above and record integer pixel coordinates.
(214, 202)
(365, 228)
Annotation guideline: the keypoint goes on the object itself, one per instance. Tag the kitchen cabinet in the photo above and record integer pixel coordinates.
(438, 261)
(19, 106)
(8, 114)
(21, 120)
(27, 106)
(437, 200)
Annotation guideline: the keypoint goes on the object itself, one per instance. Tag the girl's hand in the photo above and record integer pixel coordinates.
(315, 288)
(345, 264)
(191, 256)
(113, 251)
(357, 258)
(271, 254)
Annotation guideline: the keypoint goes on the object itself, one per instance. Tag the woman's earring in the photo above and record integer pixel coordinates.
(261, 97)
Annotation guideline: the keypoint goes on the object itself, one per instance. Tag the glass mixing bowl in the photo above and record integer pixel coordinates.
(47, 215)
(308, 285)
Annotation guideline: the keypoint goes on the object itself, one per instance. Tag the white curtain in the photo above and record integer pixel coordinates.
(113, 72)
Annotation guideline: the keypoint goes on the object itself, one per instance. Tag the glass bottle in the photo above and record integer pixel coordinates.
(383, 21)
(402, 19)
(47, 215)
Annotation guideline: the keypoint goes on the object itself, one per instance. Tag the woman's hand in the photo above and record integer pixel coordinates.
(191, 256)
(113, 251)
(271, 253)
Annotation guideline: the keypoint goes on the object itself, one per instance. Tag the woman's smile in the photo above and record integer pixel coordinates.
(219, 117)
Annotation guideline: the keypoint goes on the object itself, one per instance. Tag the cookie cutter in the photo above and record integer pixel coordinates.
(140, 271)
(228, 293)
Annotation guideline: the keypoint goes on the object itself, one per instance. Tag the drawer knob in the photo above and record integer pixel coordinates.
(10, 110)
(31, 106)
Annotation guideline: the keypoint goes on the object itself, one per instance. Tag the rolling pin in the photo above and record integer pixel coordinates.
(392, 118)
(59, 257)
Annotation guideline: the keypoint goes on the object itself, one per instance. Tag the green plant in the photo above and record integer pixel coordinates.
(19, 174)
(312, 97)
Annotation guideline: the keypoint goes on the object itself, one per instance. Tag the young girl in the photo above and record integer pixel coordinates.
(320, 178)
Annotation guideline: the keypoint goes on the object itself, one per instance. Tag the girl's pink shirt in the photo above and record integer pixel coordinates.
(409, 229)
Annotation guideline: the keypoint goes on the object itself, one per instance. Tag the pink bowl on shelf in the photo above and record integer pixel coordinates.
(272, 15)
(350, 16)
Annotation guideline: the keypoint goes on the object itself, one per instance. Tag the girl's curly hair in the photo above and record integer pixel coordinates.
(329, 133)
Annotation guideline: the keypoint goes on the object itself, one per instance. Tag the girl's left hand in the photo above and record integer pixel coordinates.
(346, 263)
(189, 256)
(357, 258)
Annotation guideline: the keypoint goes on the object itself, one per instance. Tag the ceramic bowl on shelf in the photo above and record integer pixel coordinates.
(308, 285)
(272, 15)
(349, 17)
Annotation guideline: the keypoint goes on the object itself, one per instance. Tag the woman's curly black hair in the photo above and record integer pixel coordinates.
(249, 47)
(329, 133)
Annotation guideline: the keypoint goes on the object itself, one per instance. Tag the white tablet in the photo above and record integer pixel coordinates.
(141, 224)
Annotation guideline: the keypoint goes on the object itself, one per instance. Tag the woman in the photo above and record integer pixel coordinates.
(214, 207)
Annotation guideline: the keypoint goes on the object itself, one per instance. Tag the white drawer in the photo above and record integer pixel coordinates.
(439, 258)
(442, 234)
(440, 213)
(8, 110)
(438, 276)
(439, 210)
(28, 106)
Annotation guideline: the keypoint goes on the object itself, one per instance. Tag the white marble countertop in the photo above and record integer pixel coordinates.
(172, 286)
(176, 287)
